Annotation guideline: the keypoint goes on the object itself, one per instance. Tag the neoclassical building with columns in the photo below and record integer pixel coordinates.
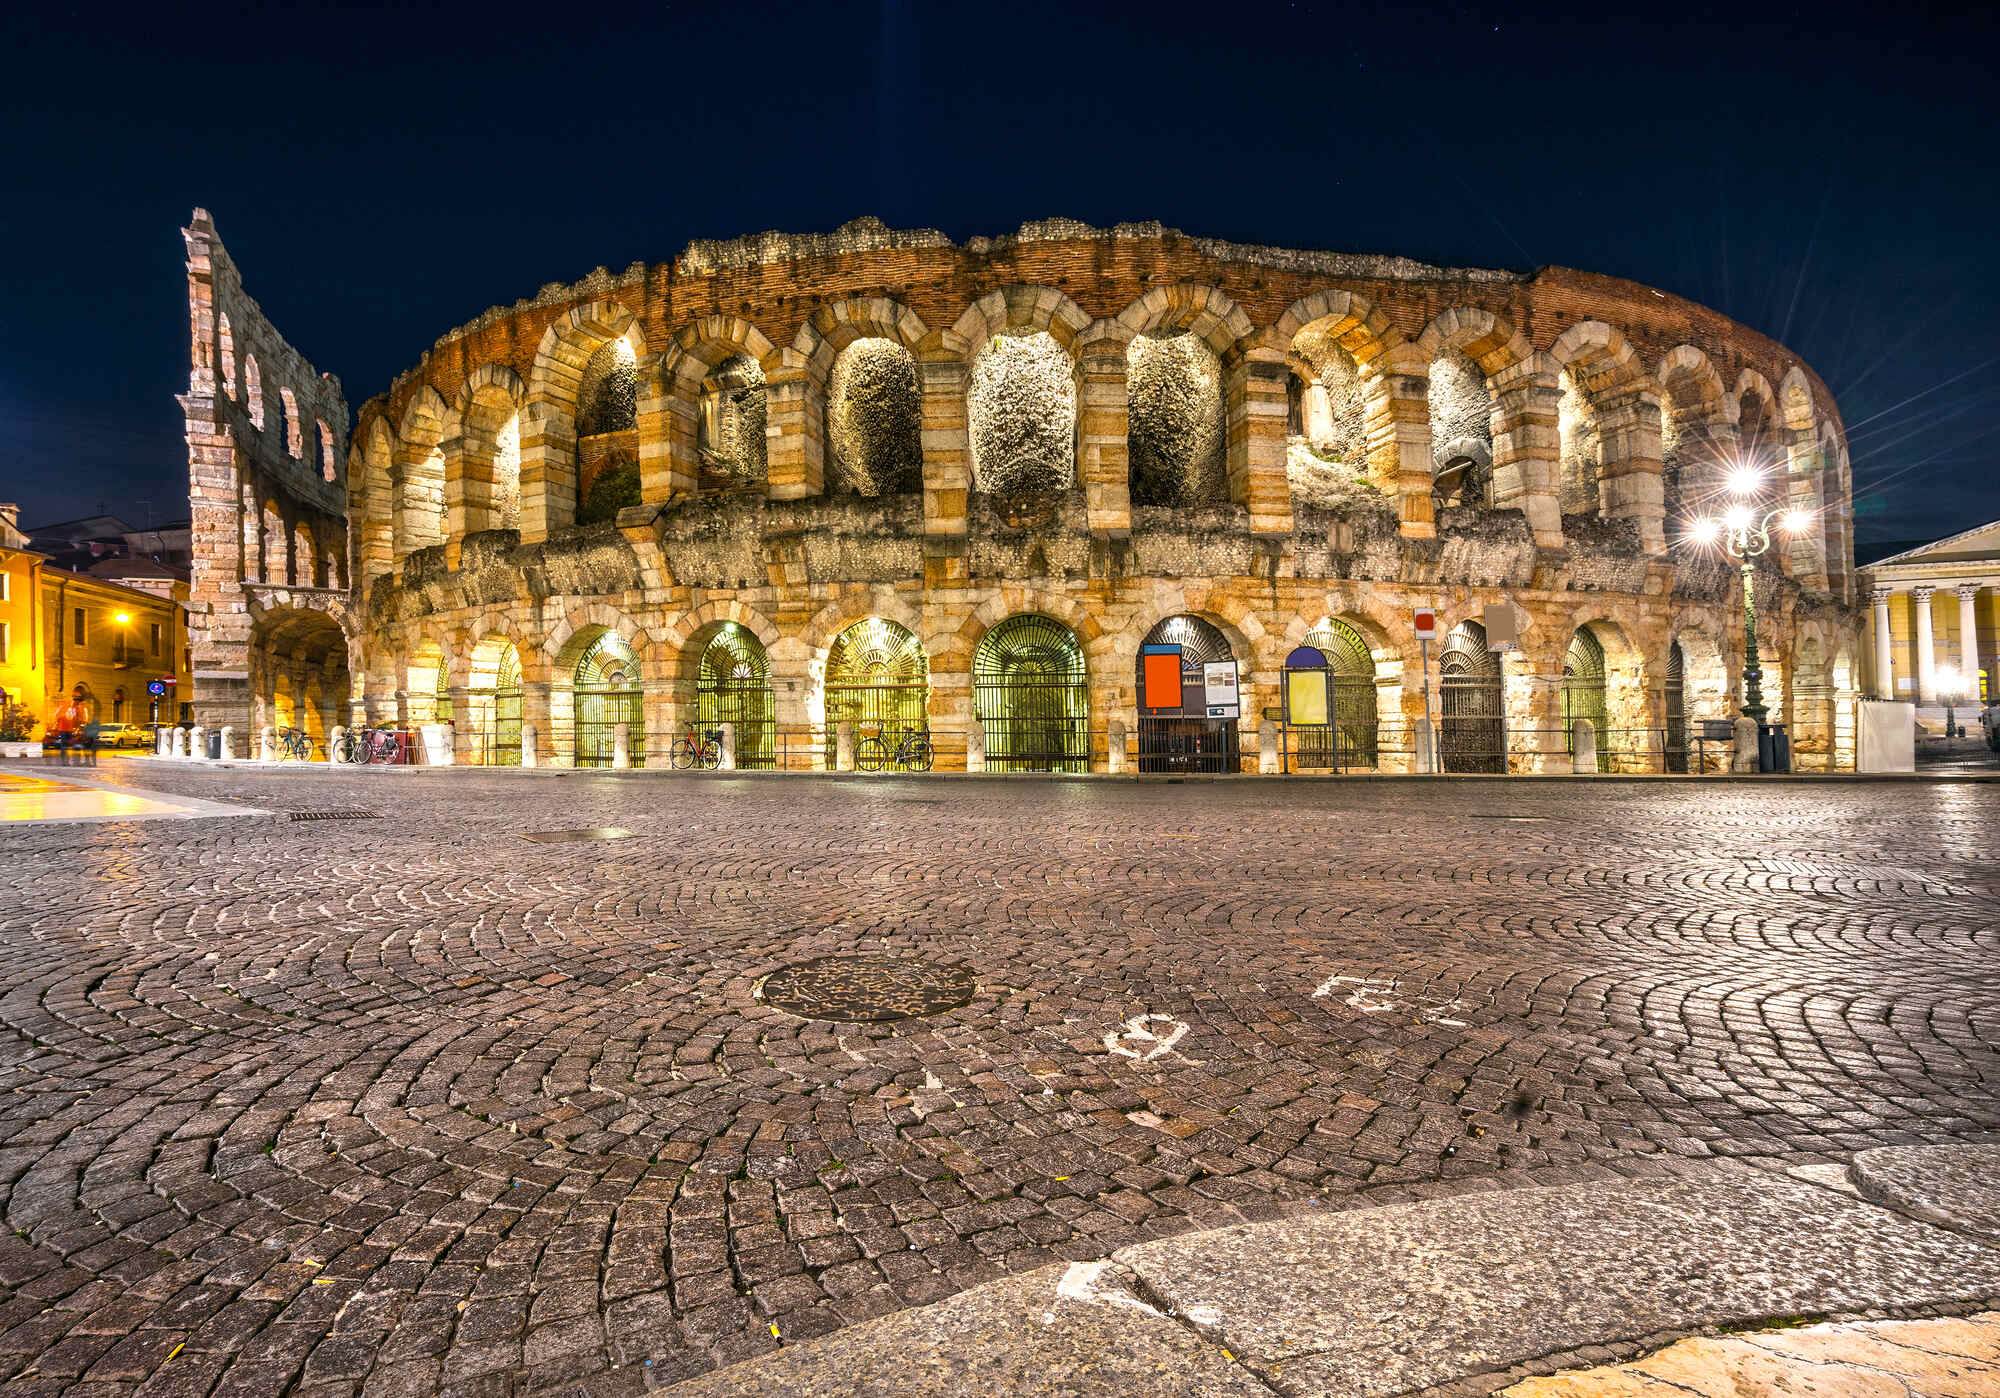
(1935, 618)
(881, 479)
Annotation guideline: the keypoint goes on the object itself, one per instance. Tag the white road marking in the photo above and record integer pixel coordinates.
(1135, 1030)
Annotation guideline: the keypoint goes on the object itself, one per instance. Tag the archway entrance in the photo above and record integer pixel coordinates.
(493, 704)
(1032, 697)
(1675, 693)
(1175, 732)
(733, 685)
(298, 667)
(1584, 694)
(1472, 731)
(1330, 716)
(607, 693)
(877, 678)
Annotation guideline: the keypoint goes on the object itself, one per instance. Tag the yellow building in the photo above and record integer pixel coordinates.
(115, 641)
(1936, 632)
(21, 681)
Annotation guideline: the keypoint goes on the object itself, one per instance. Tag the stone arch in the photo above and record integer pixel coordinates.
(1836, 509)
(549, 468)
(710, 390)
(1494, 345)
(876, 673)
(326, 456)
(1812, 699)
(294, 430)
(305, 570)
(1624, 740)
(1795, 401)
(1201, 310)
(371, 493)
(834, 325)
(426, 678)
(1697, 432)
(1175, 733)
(565, 640)
(726, 677)
(680, 638)
(1176, 416)
(1464, 349)
(420, 472)
(860, 398)
(597, 681)
(253, 391)
(566, 347)
(1608, 426)
(483, 477)
(1017, 310)
(1344, 343)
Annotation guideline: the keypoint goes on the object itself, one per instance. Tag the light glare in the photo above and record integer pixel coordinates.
(1738, 517)
(1705, 531)
(1797, 521)
(1745, 480)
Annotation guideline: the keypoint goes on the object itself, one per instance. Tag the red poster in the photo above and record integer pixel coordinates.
(1163, 682)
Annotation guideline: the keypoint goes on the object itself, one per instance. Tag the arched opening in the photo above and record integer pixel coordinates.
(225, 354)
(1175, 419)
(326, 456)
(493, 704)
(294, 433)
(733, 685)
(607, 437)
(1021, 411)
(420, 475)
(1472, 729)
(607, 691)
(1673, 692)
(1330, 700)
(1031, 694)
(1176, 732)
(1760, 448)
(878, 679)
(730, 434)
(1461, 412)
(1581, 447)
(428, 686)
(491, 491)
(874, 420)
(253, 391)
(1585, 694)
(1326, 458)
(298, 668)
(304, 563)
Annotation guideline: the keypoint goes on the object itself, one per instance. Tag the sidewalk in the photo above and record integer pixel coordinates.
(1468, 1295)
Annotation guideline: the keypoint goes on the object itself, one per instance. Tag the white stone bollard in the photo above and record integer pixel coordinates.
(1114, 747)
(163, 742)
(180, 741)
(1746, 745)
(728, 747)
(1426, 754)
(228, 750)
(843, 748)
(975, 747)
(267, 744)
(1267, 748)
(198, 743)
(334, 744)
(1583, 748)
(530, 736)
(621, 746)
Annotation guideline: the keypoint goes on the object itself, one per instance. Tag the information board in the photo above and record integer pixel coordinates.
(1219, 690)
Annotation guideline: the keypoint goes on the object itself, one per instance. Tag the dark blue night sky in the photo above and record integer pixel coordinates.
(382, 175)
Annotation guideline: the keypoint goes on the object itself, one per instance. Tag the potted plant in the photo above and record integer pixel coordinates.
(17, 731)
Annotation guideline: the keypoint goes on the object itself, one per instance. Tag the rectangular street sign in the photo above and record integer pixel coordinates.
(1427, 623)
(1218, 682)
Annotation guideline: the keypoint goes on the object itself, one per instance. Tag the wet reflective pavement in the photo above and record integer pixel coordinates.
(79, 794)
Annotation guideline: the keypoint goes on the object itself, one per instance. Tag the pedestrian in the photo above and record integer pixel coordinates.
(66, 725)
(91, 734)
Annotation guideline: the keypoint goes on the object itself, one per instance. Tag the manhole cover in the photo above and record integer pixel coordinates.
(331, 815)
(563, 837)
(866, 989)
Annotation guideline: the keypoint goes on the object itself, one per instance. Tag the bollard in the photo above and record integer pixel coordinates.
(621, 746)
(267, 744)
(228, 749)
(335, 741)
(1583, 748)
(843, 748)
(530, 736)
(1267, 748)
(1114, 747)
(180, 743)
(728, 747)
(975, 747)
(163, 742)
(1746, 745)
(198, 743)
(1426, 755)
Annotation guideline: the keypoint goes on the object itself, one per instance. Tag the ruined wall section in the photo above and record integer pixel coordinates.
(267, 453)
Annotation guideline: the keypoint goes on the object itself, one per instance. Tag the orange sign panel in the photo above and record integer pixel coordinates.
(1163, 682)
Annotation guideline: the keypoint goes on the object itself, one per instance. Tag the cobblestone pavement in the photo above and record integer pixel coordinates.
(408, 1103)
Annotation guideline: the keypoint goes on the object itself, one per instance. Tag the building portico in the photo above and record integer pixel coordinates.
(1935, 629)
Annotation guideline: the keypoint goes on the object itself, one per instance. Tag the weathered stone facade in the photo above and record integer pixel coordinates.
(465, 481)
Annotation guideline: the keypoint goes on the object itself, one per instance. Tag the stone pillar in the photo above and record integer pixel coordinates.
(548, 472)
(163, 742)
(1926, 655)
(1746, 745)
(1103, 459)
(1318, 413)
(267, 744)
(975, 746)
(1885, 655)
(728, 746)
(1399, 438)
(227, 752)
(947, 442)
(1583, 748)
(843, 748)
(198, 742)
(179, 748)
(1114, 747)
(530, 742)
(621, 746)
(1968, 642)
(1527, 446)
(663, 709)
(1259, 432)
(471, 493)
(464, 729)
(535, 721)
(1629, 483)
(333, 745)
(1267, 748)
(795, 435)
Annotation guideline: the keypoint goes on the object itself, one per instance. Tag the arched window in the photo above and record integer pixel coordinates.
(1461, 412)
(874, 420)
(1675, 693)
(1584, 694)
(608, 692)
(325, 448)
(1330, 700)
(877, 677)
(1176, 730)
(253, 391)
(225, 353)
(733, 685)
(1581, 446)
(1021, 409)
(1472, 733)
(1175, 422)
(493, 701)
(607, 444)
(294, 434)
(730, 433)
(1032, 697)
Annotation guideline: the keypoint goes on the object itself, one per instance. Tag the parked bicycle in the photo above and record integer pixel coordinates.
(912, 752)
(700, 748)
(378, 746)
(294, 745)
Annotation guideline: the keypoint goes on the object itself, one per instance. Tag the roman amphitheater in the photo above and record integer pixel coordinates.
(820, 486)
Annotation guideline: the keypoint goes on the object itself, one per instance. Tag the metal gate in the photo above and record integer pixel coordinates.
(1677, 719)
(1031, 696)
(878, 679)
(1330, 714)
(607, 693)
(733, 685)
(1583, 695)
(1472, 731)
(497, 714)
(1181, 742)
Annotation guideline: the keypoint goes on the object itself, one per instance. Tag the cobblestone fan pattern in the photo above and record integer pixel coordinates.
(1884, 1359)
(409, 1103)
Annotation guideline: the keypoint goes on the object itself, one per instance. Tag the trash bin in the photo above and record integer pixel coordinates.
(214, 744)
(1774, 748)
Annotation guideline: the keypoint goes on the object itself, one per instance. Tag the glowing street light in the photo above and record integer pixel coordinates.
(1949, 690)
(1745, 538)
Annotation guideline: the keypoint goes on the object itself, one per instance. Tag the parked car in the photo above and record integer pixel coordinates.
(124, 735)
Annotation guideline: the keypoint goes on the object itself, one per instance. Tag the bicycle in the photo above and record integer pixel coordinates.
(697, 749)
(912, 753)
(294, 745)
(381, 746)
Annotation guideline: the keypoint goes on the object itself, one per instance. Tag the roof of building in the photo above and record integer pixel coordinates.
(52, 572)
(134, 568)
(1977, 544)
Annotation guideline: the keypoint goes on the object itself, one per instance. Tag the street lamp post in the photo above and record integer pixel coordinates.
(1746, 538)
(1948, 690)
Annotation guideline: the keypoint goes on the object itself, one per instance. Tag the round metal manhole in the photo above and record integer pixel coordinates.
(866, 989)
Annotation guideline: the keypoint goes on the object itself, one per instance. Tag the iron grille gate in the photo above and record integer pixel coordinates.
(1677, 722)
(734, 686)
(1583, 695)
(1472, 729)
(1347, 736)
(498, 712)
(878, 679)
(608, 693)
(1170, 742)
(1031, 697)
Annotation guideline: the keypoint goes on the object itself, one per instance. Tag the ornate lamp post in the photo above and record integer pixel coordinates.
(1948, 689)
(1746, 538)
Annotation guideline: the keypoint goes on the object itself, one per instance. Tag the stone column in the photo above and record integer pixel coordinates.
(1114, 747)
(471, 494)
(1926, 655)
(975, 746)
(548, 472)
(536, 733)
(1527, 445)
(1103, 458)
(666, 436)
(947, 443)
(1968, 641)
(1628, 483)
(1885, 655)
(464, 728)
(530, 745)
(1399, 438)
(621, 746)
(795, 435)
(1259, 432)
(1803, 480)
